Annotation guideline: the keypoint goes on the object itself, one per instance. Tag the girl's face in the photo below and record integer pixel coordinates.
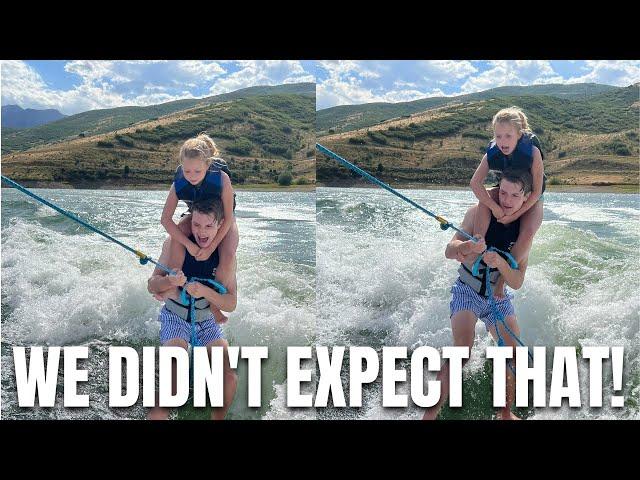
(194, 169)
(507, 137)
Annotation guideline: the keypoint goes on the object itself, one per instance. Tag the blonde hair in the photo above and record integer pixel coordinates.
(201, 146)
(513, 116)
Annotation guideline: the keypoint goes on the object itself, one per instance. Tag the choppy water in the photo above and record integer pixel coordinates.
(383, 280)
(63, 285)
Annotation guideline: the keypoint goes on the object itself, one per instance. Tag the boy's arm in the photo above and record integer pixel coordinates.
(170, 226)
(172, 258)
(459, 248)
(537, 172)
(477, 185)
(513, 278)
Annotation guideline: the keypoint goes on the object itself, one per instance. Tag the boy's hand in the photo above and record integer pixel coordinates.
(493, 259)
(193, 249)
(477, 247)
(195, 289)
(178, 279)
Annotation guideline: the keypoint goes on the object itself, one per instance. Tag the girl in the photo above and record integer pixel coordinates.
(514, 145)
(200, 175)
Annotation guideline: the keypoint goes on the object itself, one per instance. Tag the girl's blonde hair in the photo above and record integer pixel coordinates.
(513, 116)
(201, 146)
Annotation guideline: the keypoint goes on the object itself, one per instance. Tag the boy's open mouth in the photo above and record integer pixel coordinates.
(202, 240)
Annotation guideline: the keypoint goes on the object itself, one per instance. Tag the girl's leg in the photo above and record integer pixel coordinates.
(483, 216)
(185, 225)
(227, 250)
(529, 224)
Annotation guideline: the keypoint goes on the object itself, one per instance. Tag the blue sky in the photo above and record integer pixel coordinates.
(79, 85)
(354, 82)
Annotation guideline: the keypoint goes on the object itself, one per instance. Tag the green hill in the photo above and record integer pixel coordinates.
(585, 140)
(345, 118)
(260, 136)
(95, 122)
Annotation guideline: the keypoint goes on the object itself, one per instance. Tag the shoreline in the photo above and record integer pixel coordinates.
(270, 187)
(611, 188)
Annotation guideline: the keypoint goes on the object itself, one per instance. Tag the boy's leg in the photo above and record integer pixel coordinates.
(463, 327)
(511, 320)
(230, 380)
(162, 413)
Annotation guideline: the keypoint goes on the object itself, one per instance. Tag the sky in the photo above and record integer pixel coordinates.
(355, 82)
(79, 85)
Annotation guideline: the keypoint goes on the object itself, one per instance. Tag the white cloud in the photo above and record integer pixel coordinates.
(512, 72)
(200, 69)
(445, 70)
(351, 82)
(23, 85)
(610, 72)
(264, 72)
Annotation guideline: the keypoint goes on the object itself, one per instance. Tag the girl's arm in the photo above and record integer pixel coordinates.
(227, 203)
(477, 185)
(170, 226)
(537, 172)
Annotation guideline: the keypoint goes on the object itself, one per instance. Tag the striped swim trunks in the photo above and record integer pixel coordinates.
(466, 298)
(172, 326)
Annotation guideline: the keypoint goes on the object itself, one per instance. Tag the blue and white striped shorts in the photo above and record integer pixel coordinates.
(465, 298)
(172, 326)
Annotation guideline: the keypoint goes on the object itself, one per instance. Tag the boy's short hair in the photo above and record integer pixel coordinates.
(523, 177)
(210, 206)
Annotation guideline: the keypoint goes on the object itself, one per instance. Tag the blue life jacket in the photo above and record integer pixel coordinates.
(520, 159)
(210, 187)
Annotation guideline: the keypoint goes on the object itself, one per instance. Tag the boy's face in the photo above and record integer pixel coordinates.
(506, 137)
(194, 169)
(511, 196)
(204, 228)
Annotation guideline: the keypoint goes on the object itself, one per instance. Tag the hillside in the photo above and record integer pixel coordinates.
(345, 118)
(13, 116)
(96, 122)
(259, 136)
(586, 141)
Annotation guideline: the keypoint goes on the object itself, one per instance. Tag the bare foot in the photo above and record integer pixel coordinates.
(507, 415)
(430, 414)
(219, 316)
(158, 413)
(498, 291)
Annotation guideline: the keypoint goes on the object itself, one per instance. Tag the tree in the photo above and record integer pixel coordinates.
(285, 179)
